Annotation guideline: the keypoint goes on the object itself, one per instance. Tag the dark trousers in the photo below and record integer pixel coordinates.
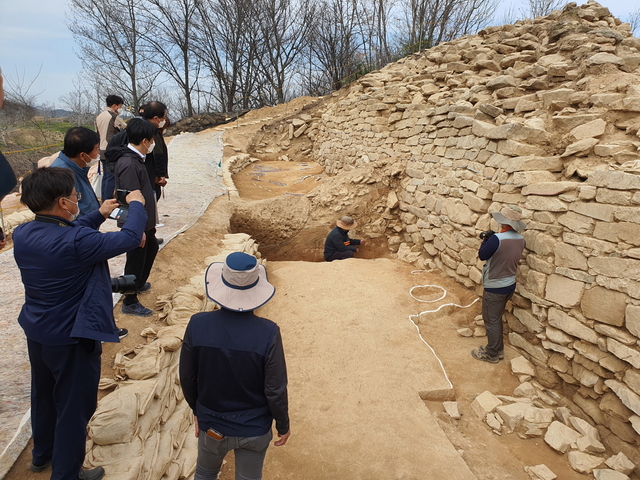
(340, 256)
(493, 305)
(108, 183)
(139, 263)
(64, 394)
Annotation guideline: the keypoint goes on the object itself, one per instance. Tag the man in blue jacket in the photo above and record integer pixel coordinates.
(233, 372)
(502, 252)
(79, 153)
(67, 312)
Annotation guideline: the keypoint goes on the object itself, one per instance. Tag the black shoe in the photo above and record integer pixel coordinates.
(160, 241)
(93, 474)
(39, 468)
(483, 349)
(122, 332)
(136, 309)
(484, 356)
(145, 287)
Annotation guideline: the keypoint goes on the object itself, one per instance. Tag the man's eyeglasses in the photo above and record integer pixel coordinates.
(78, 196)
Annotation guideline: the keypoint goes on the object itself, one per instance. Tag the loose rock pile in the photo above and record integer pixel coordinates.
(535, 411)
(144, 429)
(544, 114)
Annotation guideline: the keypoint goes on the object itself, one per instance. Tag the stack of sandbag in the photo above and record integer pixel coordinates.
(139, 430)
(143, 430)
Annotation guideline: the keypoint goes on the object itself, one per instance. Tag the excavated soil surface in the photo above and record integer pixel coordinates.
(341, 390)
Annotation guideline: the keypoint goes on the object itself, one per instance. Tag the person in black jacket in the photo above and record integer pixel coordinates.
(130, 174)
(338, 245)
(233, 372)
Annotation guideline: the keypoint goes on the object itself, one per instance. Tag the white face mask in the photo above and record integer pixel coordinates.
(162, 123)
(92, 162)
(74, 216)
(151, 147)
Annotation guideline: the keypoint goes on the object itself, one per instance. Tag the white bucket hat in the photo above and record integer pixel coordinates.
(346, 223)
(239, 284)
(510, 215)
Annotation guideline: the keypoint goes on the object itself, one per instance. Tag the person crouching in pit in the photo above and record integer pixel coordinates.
(338, 245)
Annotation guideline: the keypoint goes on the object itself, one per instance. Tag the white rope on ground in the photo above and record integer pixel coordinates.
(411, 317)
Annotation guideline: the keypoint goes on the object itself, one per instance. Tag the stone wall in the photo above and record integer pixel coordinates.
(543, 114)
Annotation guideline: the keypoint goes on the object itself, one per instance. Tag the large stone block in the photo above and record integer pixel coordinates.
(629, 398)
(560, 320)
(549, 188)
(595, 128)
(524, 164)
(485, 403)
(604, 305)
(632, 379)
(618, 334)
(581, 148)
(528, 320)
(632, 319)
(569, 256)
(614, 179)
(576, 222)
(583, 462)
(458, 212)
(560, 437)
(535, 351)
(628, 354)
(618, 232)
(563, 291)
(518, 149)
(594, 210)
(616, 267)
(569, 122)
(538, 242)
(546, 204)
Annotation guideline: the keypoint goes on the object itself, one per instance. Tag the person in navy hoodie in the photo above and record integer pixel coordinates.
(233, 372)
(68, 312)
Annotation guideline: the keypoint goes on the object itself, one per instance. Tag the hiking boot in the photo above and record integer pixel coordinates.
(484, 356)
(136, 309)
(39, 468)
(93, 474)
(482, 348)
(122, 332)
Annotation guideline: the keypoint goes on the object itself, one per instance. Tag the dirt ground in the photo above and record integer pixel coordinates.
(487, 455)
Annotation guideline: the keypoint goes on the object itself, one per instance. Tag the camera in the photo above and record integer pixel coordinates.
(487, 235)
(121, 196)
(120, 213)
(124, 284)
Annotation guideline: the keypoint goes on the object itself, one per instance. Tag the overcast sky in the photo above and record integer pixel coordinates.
(34, 35)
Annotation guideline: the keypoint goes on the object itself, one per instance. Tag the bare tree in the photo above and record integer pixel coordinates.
(108, 33)
(283, 34)
(540, 8)
(169, 31)
(430, 22)
(223, 43)
(79, 101)
(335, 42)
(19, 108)
(634, 21)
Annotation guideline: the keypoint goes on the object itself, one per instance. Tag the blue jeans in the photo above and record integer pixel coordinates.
(249, 453)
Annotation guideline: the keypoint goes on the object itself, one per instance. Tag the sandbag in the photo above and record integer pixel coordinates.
(190, 454)
(150, 454)
(144, 390)
(121, 461)
(116, 418)
(145, 364)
